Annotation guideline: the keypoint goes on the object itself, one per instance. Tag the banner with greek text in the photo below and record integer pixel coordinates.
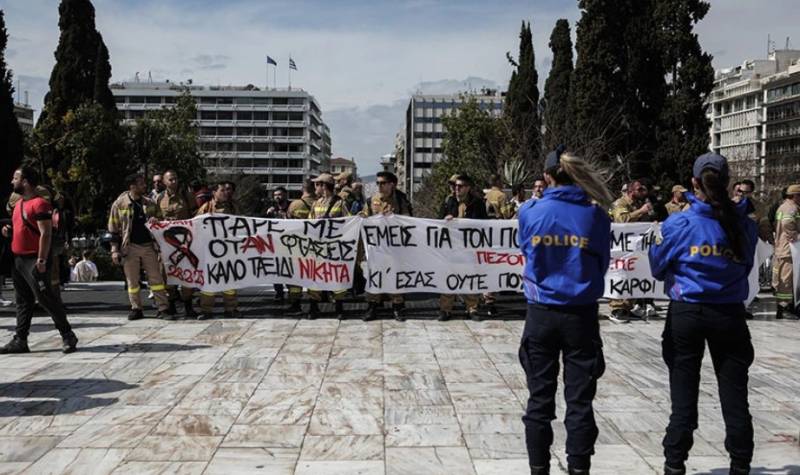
(217, 252)
(629, 275)
(463, 256)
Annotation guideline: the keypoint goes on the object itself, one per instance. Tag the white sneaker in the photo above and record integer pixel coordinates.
(5, 303)
(639, 311)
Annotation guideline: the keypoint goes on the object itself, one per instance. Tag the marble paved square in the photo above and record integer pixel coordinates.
(273, 395)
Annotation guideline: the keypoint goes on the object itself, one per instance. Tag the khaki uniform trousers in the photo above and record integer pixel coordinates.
(397, 299)
(471, 301)
(620, 304)
(229, 301)
(138, 257)
(782, 279)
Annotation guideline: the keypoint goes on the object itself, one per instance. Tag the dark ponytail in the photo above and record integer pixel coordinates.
(724, 210)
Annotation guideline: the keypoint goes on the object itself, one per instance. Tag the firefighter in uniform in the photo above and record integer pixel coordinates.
(300, 209)
(787, 226)
(221, 203)
(632, 207)
(464, 204)
(328, 205)
(388, 200)
(134, 247)
(678, 202)
(704, 256)
(176, 204)
(566, 242)
(344, 188)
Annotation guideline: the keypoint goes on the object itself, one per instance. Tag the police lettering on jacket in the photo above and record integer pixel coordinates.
(566, 241)
(695, 259)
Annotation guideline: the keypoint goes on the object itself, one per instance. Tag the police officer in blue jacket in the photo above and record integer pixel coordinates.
(704, 256)
(566, 242)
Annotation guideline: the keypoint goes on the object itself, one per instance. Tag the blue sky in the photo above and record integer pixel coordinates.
(361, 59)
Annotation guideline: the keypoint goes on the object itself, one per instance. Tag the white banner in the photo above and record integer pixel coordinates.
(217, 252)
(795, 249)
(629, 275)
(462, 256)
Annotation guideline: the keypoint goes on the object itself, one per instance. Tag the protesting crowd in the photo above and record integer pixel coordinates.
(704, 253)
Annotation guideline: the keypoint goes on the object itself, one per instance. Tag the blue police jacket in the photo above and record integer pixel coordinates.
(566, 243)
(694, 258)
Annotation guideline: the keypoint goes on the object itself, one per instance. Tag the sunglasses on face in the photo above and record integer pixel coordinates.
(379, 183)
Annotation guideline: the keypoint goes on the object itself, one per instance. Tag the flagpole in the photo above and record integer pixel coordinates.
(290, 72)
(275, 76)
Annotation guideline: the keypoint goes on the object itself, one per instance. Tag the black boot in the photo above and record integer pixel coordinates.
(172, 310)
(189, 309)
(313, 310)
(535, 470)
(339, 310)
(69, 342)
(739, 470)
(136, 314)
(443, 316)
(371, 313)
(294, 308)
(577, 471)
(784, 311)
(399, 312)
(674, 470)
(15, 346)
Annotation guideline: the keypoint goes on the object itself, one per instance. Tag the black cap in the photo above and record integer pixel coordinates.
(552, 159)
(711, 161)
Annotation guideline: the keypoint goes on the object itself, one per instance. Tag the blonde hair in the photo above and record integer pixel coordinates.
(587, 176)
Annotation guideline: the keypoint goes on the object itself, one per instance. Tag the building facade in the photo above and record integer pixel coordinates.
(343, 165)
(276, 134)
(24, 113)
(781, 147)
(424, 130)
(737, 113)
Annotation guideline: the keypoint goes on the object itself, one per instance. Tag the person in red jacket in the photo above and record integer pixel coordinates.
(32, 234)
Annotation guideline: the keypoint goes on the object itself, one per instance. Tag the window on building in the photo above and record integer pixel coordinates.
(119, 99)
(280, 101)
(208, 100)
(260, 115)
(224, 115)
(261, 163)
(260, 131)
(208, 115)
(280, 132)
(208, 131)
(297, 101)
(280, 163)
(246, 147)
(260, 147)
(296, 116)
(295, 147)
(280, 116)
(152, 100)
(208, 146)
(261, 101)
(136, 100)
(242, 115)
(245, 101)
(296, 132)
(170, 100)
(295, 178)
(225, 131)
(244, 131)
(224, 100)
(226, 146)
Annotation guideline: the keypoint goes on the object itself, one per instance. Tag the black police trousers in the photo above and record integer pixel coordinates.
(688, 328)
(574, 332)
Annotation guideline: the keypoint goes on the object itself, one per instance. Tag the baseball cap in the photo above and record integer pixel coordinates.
(711, 161)
(680, 188)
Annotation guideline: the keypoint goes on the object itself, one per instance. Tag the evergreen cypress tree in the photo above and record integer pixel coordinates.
(683, 132)
(522, 104)
(618, 85)
(11, 137)
(557, 115)
(597, 83)
(72, 81)
(102, 75)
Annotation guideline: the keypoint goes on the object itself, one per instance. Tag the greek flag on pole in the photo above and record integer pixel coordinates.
(292, 65)
(271, 61)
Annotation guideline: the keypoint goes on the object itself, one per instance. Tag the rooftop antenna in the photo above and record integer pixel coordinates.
(136, 76)
(26, 98)
(150, 77)
(787, 42)
(18, 89)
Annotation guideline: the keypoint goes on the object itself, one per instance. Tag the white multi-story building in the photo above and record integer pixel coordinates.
(24, 113)
(737, 112)
(277, 134)
(424, 131)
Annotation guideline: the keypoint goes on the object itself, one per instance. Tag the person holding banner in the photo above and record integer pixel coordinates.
(300, 209)
(388, 200)
(787, 226)
(221, 203)
(704, 256)
(632, 207)
(566, 241)
(278, 210)
(465, 205)
(176, 203)
(328, 205)
(133, 246)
